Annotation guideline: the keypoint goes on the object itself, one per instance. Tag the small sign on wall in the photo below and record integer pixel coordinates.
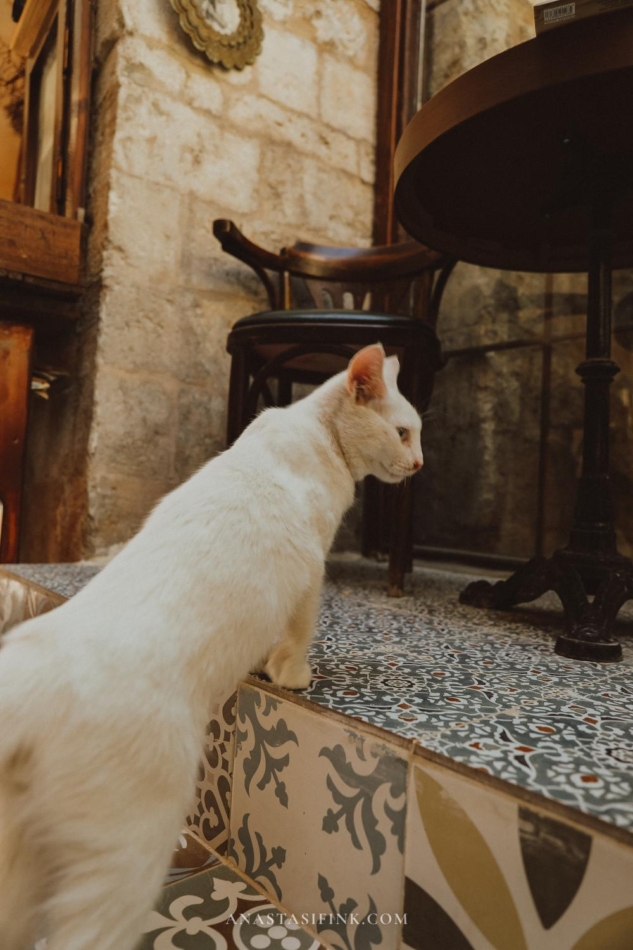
(547, 16)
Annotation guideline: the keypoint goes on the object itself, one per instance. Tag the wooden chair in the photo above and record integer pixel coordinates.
(327, 303)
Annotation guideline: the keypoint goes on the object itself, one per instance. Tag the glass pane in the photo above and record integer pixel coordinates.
(47, 98)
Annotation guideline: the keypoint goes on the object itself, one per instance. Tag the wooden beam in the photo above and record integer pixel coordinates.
(40, 244)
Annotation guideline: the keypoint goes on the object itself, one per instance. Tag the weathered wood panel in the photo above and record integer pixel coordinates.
(39, 244)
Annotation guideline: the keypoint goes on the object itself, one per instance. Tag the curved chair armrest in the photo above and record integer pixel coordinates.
(257, 258)
(238, 245)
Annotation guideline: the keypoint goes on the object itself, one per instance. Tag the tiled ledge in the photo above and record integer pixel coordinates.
(482, 689)
(438, 747)
(329, 815)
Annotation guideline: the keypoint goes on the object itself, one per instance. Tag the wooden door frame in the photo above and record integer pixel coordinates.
(16, 351)
(401, 75)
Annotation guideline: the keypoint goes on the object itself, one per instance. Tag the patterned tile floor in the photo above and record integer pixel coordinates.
(484, 688)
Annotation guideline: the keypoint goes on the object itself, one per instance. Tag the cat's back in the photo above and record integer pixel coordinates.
(34, 674)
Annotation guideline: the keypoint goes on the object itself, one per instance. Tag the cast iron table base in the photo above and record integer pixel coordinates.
(590, 566)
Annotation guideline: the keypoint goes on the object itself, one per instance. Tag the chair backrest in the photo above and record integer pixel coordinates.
(384, 279)
(389, 279)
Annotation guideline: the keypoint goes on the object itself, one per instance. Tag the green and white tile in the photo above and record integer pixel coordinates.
(318, 819)
(485, 871)
(209, 819)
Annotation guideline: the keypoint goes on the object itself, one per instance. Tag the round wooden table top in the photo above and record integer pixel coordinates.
(489, 171)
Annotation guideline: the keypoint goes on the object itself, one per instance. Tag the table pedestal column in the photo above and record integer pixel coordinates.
(590, 566)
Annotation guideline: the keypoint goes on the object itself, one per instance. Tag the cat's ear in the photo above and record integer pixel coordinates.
(390, 371)
(365, 374)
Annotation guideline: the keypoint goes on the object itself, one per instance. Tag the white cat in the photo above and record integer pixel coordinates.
(104, 701)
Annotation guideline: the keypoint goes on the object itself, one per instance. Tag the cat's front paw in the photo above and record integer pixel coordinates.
(287, 669)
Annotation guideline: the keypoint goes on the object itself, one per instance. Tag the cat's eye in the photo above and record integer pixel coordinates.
(403, 433)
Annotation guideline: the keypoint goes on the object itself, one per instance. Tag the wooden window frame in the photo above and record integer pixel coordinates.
(71, 19)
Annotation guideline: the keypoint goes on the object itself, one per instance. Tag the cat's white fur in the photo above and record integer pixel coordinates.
(104, 701)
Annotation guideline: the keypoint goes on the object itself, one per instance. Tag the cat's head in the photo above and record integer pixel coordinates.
(379, 429)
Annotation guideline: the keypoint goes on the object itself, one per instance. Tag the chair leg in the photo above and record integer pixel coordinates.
(238, 390)
(416, 383)
(401, 553)
(401, 548)
(16, 346)
(374, 517)
(284, 391)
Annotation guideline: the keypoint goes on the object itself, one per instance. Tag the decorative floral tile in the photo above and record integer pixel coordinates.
(218, 910)
(573, 758)
(318, 819)
(484, 871)
(410, 697)
(210, 817)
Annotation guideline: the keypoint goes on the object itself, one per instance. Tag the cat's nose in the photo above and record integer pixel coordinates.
(417, 465)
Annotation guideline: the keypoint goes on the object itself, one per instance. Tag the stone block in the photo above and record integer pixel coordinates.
(166, 141)
(203, 328)
(133, 430)
(153, 18)
(287, 71)
(205, 266)
(144, 228)
(340, 27)
(201, 430)
(151, 66)
(279, 10)
(367, 161)
(282, 195)
(339, 206)
(204, 92)
(467, 32)
(139, 330)
(109, 26)
(241, 77)
(348, 99)
(274, 123)
(118, 506)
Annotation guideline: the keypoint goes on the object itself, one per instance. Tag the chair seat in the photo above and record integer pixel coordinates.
(269, 318)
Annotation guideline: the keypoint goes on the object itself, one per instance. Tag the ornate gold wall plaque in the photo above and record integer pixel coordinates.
(229, 31)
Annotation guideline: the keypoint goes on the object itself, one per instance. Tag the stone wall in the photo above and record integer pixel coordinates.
(284, 148)
(479, 488)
